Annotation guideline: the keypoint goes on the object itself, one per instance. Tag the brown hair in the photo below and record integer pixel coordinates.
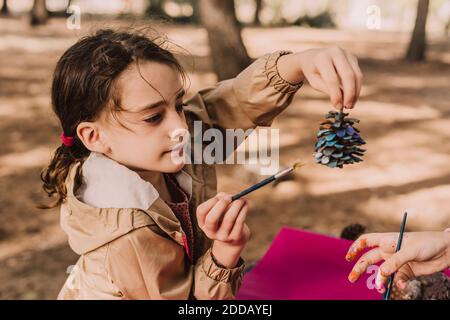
(83, 84)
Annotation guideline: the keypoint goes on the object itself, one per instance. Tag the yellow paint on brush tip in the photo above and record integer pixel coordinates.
(298, 164)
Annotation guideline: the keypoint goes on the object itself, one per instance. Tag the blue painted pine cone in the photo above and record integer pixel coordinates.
(338, 141)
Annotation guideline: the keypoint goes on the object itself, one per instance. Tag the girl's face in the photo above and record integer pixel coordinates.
(145, 135)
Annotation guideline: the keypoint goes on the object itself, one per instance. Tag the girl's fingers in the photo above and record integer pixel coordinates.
(387, 241)
(402, 277)
(381, 280)
(358, 73)
(316, 82)
(331, 79)
(369, 258)
(204, 208)
(222, 195)
(347, 76)
(357, 247)
(395, 262)
(215, 215)
(240, 223)
(230, 217)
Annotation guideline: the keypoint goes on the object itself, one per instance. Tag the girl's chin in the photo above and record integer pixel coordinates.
(174, 165)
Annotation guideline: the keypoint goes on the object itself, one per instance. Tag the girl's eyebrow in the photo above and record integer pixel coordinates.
(180, 93)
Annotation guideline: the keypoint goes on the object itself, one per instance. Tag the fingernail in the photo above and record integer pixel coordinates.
(351, 254)
(363, 242)
(381, 288)
(384, 272)
(339, 106)
(352, 276)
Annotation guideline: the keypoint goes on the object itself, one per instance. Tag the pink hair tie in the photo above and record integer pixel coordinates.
(66, 140)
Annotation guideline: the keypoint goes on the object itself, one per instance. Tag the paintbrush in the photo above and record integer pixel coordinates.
(262, 183)
(387, 294)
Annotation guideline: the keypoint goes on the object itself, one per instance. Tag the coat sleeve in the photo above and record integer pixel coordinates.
(253, 98)
(214, 281)
(146, 265)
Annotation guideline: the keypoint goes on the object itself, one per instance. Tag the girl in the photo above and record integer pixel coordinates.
(421, 253)
(144, 226)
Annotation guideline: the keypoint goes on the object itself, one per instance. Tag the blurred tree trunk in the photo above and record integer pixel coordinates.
(4, 11)
(39, 14)
(195, 14)
(258, 8)
(61, 13)
(418, 44)
(447, 28)
(224, 35)
(156, 8)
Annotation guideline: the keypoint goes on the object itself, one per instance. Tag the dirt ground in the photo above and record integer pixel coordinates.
(405, 119)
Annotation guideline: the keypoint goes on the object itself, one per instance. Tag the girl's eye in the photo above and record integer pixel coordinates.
(154, 119)
(179, 107)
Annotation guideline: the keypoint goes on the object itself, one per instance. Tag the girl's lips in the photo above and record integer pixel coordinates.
(177, 148)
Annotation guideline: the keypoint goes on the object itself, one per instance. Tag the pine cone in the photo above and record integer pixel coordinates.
(434, 286)
(338, 141)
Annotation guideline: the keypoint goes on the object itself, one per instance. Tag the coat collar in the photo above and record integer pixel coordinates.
(109, 184)
(112, 201)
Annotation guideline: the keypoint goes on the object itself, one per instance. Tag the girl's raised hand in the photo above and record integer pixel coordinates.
(421, 253)
(223, 220)
(333, 71)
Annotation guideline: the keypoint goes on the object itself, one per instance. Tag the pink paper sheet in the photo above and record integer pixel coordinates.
(302, 265)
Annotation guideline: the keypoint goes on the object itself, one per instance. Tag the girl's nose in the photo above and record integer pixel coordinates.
(177, 127)
(179, 136)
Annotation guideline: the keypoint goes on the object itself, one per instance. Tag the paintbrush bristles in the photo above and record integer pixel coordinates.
(286, 171)
(298, 164)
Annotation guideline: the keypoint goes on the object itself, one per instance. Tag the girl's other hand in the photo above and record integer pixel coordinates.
(421, 253)
(333, 71)
(224, 220)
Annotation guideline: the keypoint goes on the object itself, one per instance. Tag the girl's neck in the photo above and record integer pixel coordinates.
(158, 181)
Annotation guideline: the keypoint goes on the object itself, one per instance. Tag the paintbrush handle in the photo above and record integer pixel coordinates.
(387, 294)
(253, 188)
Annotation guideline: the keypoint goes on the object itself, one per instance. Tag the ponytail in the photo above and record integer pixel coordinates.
(54, 176)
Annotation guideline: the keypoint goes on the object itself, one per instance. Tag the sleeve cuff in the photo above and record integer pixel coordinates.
(274, 77)
(218, 272)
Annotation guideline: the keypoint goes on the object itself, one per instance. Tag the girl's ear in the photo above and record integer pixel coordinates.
(89, 134)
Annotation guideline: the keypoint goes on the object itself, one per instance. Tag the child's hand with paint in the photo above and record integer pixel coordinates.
(421, 253)
(333, 71)
(223, 221)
